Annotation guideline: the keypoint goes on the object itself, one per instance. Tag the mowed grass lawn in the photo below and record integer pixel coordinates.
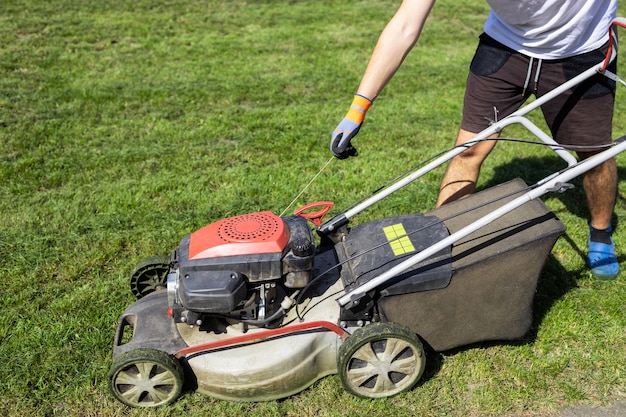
(126, 125)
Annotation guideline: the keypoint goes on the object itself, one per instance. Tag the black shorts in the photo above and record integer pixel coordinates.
(581, 117)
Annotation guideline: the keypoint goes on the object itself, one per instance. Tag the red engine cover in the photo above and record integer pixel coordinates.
(247, 234)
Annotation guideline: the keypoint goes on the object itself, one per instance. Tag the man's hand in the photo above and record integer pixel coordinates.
(340, 144)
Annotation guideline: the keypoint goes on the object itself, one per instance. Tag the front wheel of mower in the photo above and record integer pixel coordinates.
(380, 360)
(146, 378)
(149, 275)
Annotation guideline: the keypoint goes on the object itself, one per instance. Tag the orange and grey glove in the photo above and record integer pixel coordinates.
(340, 144)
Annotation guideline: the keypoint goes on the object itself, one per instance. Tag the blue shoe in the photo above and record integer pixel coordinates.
(602, 260)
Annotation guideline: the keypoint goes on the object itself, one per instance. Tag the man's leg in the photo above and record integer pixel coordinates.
(462, 173)
(600, 185)
(582, 117)
(493, 90)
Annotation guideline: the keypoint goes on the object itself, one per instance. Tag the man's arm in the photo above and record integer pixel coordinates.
(394, 43)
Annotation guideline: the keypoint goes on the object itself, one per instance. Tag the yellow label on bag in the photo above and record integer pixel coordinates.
(399, 241)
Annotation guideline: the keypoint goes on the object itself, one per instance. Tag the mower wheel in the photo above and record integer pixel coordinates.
(380, 360)
(146, 378)
(149, 275)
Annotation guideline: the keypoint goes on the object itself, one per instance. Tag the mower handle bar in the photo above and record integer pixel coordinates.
(550, 183)
(553, 182)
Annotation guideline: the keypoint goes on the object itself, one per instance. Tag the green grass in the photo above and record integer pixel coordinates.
(127, 125)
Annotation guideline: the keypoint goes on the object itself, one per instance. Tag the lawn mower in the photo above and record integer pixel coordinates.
(251, 308)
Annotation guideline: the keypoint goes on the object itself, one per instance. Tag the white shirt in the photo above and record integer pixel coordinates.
(551, 29)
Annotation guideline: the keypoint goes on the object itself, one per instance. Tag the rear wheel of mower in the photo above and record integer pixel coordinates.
(146, 378)
(380, 360)
(149, 275)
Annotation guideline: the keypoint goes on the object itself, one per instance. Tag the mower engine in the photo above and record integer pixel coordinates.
(239, 268)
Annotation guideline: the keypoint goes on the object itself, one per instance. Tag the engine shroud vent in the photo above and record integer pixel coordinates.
(249, 227)
(256, 233)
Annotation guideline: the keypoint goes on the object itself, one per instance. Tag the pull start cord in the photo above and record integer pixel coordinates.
(307, 186)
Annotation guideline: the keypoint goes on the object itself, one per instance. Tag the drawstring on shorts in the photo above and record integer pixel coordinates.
(529, 73)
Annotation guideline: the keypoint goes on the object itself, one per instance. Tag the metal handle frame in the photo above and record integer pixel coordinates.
(549, 184)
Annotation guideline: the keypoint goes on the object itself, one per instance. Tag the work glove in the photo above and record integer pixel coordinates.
(340, 144)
